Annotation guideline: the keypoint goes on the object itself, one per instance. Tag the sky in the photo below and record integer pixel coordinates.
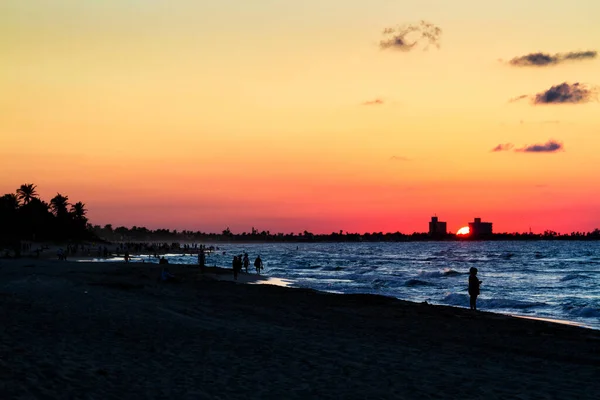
(289, 116)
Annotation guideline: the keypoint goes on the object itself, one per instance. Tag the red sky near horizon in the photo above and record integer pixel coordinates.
(290, 117)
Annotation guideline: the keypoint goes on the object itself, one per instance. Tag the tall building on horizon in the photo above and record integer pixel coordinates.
(437, 228)
(478, 228)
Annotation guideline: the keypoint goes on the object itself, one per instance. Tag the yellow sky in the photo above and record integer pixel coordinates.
(228, 102)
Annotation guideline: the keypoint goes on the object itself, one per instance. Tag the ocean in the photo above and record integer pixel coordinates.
(545, 279)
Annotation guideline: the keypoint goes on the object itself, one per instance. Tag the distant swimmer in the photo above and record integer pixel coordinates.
(474, 284)
(258, 264)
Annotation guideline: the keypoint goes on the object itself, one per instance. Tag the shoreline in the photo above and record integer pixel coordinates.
(111, 330)
(262, 279)
(286, 282)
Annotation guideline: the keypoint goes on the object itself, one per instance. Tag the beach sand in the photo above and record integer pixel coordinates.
(82, 330)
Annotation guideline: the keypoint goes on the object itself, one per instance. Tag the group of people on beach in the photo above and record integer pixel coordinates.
(240, 262)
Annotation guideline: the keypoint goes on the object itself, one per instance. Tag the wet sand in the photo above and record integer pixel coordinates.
(71, 330)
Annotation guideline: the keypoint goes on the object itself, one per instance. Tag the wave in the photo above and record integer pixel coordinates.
(417, 282)
(450, 272)
(308, 266)
(585, 312)
(508, 303)
(571, 277)
(277, 270)
(456, 299)
(379, 283)
(439, 274)
(463, 299)
(332, 268)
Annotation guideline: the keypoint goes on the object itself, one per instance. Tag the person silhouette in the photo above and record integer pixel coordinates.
(246, 262)
(474, 283)
(258, 264)
(234, 265)
(201, 259)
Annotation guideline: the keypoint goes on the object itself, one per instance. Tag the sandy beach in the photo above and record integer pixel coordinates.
(83, 330)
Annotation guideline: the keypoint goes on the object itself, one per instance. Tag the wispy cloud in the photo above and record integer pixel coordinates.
(407, 37)
(503, 147)
(399, 158)
(523, 96)
(551, 146)
(565, 93)
(375, 102)
(545, 59)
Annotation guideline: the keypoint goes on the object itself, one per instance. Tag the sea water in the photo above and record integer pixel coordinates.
(547, 279)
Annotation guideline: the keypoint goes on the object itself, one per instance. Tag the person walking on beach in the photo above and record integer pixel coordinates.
(474, 283)
(258, 264)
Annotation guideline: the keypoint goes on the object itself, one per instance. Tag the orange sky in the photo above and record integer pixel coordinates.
(202, 115)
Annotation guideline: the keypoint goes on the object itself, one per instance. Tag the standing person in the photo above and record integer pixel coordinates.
(201, 259)
(246, 262)
(258, 264)
(234, 264)
(474, 283)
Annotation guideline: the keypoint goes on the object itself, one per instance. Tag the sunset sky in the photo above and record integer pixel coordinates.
(289, 115)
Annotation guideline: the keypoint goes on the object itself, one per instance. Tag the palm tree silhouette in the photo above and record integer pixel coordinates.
(27, 192)
(9, 201)
(78, 210)
(58, 205)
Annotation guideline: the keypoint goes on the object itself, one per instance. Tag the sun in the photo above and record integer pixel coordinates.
(463, 231)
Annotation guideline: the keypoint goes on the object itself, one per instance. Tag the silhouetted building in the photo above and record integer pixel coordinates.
(437, 228)
(478, 228)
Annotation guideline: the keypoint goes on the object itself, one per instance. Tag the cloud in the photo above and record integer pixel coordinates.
(503, 147)
(407, 37)
(399, 158)
(524, 96)
(579, 55)
(550, 146)
(574, 93)
(544, 59)
(375, 102)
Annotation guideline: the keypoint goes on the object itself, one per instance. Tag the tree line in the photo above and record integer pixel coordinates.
(143, 234)
(24, 216)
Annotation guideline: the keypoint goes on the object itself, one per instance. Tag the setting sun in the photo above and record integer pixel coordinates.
(463, 231)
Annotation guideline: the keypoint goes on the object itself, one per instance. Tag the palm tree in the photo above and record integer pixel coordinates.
(9, 201)
(78, 210)
(59, 204)
(27, 192)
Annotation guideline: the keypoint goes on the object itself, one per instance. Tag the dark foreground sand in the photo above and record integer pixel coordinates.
(96, 331)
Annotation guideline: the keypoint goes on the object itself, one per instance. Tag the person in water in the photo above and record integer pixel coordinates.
(258, 264)
(474, 283)
(246, 262)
